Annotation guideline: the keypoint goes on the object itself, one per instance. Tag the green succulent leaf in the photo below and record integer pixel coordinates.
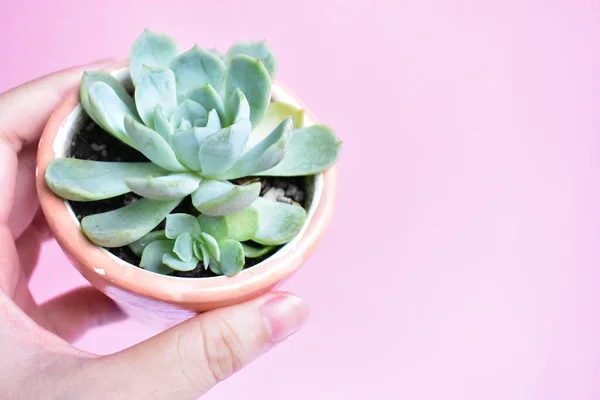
(90, 77)
(87, 180)
(156, 87)
(215, 267)
(170, 187)
(240, 108)
(209, 98)
(256, 49)
(214, 226)
(205, 255)
(184, 247)
(256, 252)
(186, 144)
(174, 262)
(152, 256)
(152, 49)
(232, 257)
(241, 225)
(127, 224)
(196, 249)
(278, 223)
(162, 124)
(219, 152)
(216, 198)
(108, 110)
(179, 223)
(251, 77)
(211, 245)
(276, 114)
(138, 246)
(195, 68)
(190, 111)
(153, 145)
(265, 155)
(214, 121)
(310, 151)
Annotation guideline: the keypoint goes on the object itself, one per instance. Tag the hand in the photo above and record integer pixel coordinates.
(36, 359)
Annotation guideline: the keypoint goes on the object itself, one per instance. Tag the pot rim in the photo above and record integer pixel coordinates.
(182, 290)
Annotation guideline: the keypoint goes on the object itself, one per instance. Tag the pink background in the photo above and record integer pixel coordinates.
(463, 260)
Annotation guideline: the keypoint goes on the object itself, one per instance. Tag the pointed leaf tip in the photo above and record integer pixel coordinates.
(252, 78)
(152, 49)
(311, 150)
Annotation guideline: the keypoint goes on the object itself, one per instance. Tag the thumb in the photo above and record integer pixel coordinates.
(186, 361)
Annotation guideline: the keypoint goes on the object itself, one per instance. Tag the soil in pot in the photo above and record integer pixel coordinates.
(91, 142)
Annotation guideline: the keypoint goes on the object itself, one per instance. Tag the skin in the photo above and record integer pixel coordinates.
(37, 359)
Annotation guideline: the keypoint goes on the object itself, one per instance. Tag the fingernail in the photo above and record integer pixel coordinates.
(284, 315)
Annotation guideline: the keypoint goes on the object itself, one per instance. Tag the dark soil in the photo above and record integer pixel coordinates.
(93, 143)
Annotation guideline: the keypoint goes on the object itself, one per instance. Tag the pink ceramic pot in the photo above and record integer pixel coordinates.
(160, 300)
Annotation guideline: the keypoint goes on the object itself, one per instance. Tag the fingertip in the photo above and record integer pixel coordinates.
(284, 315)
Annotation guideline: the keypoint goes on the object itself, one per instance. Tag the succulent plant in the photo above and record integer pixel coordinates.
(203, 120)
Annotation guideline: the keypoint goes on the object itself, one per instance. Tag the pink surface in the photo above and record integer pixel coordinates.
(462, 262)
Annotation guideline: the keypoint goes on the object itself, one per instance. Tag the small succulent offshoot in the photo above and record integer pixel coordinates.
(203, 120)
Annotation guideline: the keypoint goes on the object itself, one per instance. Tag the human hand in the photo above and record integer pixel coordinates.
(36, 359)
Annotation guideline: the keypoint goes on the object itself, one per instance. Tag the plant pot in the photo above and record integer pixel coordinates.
(161, 300)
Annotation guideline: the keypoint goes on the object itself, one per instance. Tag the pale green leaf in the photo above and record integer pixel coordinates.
(240, 108)
(179, 223)
(153, 145)
(152, 49)
(196, 248)
(214, 267)
(232, 257)
(214, 122)
(186, 144)
(256, 49)
(162, 124)
(220, 151)
(183, 247)
(205, 256)
(90, 77)
(127, 224)
(256, 252)
(171, 260)
(152, 256)
(138, 246)
(156, 87)
(170, 187)
(195, 68)
(241, 225)
(276, 114)
(87, 180)
(311, 150)
(109, 111)
(265, 155)
(221, 198)
(252, 78)
(190, 111)
(278, 223)
(214, 226)
(209, 98)
(211, 245)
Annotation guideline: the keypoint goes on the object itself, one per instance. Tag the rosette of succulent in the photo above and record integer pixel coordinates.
(210, 136)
